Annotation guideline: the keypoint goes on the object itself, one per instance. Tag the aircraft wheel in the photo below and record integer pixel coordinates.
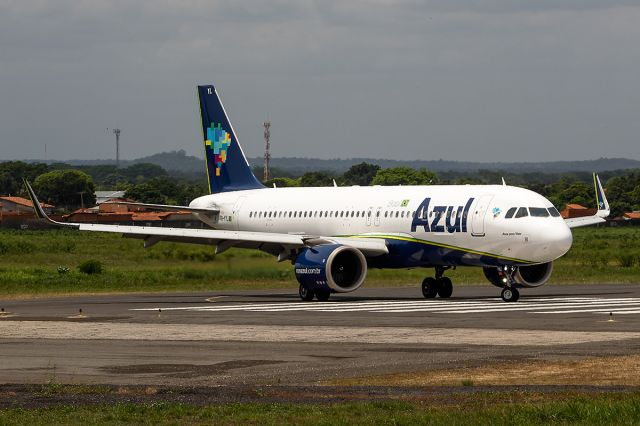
(429, 288)
(510, 294)
(445, 288)
(323, 295)
(305, 293)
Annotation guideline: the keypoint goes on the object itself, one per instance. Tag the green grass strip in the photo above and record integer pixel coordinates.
(597, 410)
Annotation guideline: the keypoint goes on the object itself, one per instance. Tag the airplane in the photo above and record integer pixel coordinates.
(333, 235)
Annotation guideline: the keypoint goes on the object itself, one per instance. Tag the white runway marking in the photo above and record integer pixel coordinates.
(550, 305)
(288, 334)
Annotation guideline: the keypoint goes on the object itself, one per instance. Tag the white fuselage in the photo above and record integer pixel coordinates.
(462, 224)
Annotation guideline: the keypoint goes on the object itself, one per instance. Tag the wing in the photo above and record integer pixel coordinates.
(601, 214)
(576, 222)
(285, 246)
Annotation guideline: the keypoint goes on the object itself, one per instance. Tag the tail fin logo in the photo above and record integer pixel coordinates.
(217, 144)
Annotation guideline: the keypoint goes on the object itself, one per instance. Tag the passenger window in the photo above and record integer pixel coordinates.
(522, 212)
(378, 213)
(397, 213)
(386, 214)
(554, 212)
(510, 212)
(538, 212)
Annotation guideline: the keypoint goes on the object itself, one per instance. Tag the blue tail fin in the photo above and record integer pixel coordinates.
(227, 167)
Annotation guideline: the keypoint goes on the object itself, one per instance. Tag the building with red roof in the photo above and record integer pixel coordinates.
(576, 210)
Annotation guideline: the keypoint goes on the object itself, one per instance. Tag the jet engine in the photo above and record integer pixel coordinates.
(525, 276)
(331, 267)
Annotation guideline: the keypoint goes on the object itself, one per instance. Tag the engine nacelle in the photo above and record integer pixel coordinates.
(534, 275)
(331, 267)
(525, 276)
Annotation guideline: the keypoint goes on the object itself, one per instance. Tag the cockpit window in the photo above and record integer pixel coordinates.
(522, 212)
(554, 212)
(510, 212)
(538, 212)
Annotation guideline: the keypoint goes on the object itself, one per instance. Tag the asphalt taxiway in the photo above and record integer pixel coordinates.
(271, 337)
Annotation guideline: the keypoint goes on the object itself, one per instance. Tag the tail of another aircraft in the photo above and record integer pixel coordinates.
(227, 167)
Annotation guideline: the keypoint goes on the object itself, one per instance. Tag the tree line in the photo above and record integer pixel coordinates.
(68, 187)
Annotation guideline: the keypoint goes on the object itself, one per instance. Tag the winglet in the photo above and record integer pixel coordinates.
(40, 214)
(603, 204)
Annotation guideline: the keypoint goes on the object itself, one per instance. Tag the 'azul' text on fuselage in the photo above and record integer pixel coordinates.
(441, 218)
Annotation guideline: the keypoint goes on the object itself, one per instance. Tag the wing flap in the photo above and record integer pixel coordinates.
(203, 235)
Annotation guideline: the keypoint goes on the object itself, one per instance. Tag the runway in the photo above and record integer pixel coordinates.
(268, 337)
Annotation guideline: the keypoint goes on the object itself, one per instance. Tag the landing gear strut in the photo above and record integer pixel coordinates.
(438, 286)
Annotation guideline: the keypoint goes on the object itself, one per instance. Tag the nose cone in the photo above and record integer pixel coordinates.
(562, 239)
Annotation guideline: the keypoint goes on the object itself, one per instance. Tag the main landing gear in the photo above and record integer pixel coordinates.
(307, 295)
(438, 286)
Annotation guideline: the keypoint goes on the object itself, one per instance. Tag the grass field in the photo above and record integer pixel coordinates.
(46, 262)
(479, 408)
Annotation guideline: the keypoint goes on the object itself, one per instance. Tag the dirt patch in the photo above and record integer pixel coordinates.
(334, 357)
(186, 370)
(596, 371)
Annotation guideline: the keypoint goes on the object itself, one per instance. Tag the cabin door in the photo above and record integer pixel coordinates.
(478, 214)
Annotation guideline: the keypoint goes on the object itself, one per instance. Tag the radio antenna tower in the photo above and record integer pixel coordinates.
(117, 133)
(267, 153)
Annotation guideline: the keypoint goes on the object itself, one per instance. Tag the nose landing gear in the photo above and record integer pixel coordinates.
(509, 293)
(438, 286)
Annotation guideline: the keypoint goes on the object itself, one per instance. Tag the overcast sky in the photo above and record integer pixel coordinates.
(494, 80)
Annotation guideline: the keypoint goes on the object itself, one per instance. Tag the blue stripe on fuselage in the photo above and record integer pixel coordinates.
(412, 254)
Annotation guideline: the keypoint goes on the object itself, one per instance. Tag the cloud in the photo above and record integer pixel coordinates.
(435, 79)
